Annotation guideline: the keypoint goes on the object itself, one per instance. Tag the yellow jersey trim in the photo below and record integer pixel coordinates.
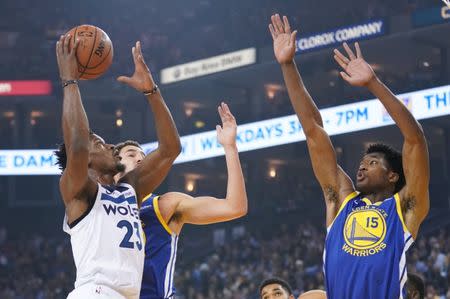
(160, 217)
(346, 200)
(147, 197)
(399, 212)
(367, 201)
(344, 203)
(144, 235)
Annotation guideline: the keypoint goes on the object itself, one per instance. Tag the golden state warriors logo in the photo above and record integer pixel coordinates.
(364, 231)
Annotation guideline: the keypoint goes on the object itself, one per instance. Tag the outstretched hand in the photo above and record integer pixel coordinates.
(357, 71)
(283, 39)
(226, 134)
(142, 79)
(447, 2)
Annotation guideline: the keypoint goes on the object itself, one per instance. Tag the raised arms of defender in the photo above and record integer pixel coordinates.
(179, 208)
(414, 195)
(335, 183)
(155, 166)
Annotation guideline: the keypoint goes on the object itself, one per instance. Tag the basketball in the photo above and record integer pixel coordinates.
(314, 294)
(95, 51)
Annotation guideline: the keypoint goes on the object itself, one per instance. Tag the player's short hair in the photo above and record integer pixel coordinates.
(61, 156)
(416, 282)
(394, 159)
(276, 280)
(119, 146)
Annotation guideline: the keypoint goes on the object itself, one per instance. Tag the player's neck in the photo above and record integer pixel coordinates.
(117, 177)
(378, 196)
(102, 178)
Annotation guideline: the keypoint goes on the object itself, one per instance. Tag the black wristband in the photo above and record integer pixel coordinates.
(68, 82)
(151, 91)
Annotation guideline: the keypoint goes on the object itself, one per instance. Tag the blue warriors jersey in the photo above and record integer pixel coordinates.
(364, 254)
(160, 252)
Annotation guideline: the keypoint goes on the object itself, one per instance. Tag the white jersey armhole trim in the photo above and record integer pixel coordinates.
(86, 218)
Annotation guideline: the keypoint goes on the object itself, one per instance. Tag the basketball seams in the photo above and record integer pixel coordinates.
(103, 60)
(86, 54)
(90, 55)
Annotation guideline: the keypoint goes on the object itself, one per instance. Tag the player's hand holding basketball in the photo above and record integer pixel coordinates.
(67, 62)
(226, 134)
(357, 71)
(283, 39)
(142, 79)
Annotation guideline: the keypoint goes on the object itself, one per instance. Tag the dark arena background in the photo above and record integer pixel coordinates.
(202, 52)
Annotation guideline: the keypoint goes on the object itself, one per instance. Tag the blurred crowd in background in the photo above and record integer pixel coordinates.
(41, 266)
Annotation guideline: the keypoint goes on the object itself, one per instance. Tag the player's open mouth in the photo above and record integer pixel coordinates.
(360, 176)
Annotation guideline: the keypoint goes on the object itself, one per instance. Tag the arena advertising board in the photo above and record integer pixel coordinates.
(431, 16)
(428, 103)
(208, 66)
(338, 36)
(20, 87)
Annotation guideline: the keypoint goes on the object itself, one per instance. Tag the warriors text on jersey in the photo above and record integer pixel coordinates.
(364, 254)
(107, 242)
(160, 252)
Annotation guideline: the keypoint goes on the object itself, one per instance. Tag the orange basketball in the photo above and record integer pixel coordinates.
(95, 51)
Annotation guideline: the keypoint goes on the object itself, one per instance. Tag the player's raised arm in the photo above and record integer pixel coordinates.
(74, 124)
(335, 184)
(206, 209)
(154, 167)
(415, 197)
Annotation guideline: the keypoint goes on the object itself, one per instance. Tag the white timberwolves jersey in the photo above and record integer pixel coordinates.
(108, 242)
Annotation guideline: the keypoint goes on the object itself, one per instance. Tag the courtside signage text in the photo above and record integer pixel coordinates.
(428, 103)
(208, 66)
(338, 36)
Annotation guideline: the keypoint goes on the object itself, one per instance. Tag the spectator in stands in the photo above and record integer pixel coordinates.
(275, 288)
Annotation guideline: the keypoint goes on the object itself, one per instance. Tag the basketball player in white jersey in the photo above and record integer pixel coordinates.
(164, 216)
(102, 217)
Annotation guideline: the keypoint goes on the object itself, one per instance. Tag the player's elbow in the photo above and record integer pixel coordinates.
(418, 137)
(242, 211)
(239, 211)
(77, 141)
(312, 131)
(172, 151)
(309, 131)
(177, 148)
(77, 148)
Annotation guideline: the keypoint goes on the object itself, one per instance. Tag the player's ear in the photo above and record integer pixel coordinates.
(393, 177)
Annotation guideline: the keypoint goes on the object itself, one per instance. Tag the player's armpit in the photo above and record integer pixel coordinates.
(333, 180)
